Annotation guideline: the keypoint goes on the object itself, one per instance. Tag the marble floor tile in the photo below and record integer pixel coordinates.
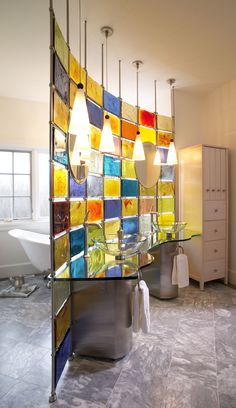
(6, 383)
(23, 395)
(227, 387)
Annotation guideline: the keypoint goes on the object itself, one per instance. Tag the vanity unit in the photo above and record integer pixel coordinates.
(203, 204)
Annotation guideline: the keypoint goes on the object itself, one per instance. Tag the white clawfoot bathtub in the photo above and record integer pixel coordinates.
(36, 247)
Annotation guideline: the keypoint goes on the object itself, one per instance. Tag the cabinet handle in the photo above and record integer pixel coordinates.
(207, 190)
(213, 189)
(224, 190)
(215, 270)
(215, 250)
(216, 210)
(218, 190)
(215, 230)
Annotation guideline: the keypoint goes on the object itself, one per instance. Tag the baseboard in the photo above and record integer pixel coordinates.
(20, 269)
(232, 277)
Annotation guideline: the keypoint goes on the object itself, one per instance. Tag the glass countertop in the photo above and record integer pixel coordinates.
(97, 266)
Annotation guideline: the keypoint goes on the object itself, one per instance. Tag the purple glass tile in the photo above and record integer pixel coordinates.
(77, 190)
(112, 208)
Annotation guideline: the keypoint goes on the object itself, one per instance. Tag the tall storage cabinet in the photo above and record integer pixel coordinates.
(203, 204)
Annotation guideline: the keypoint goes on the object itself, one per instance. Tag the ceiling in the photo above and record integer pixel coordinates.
(190, 40)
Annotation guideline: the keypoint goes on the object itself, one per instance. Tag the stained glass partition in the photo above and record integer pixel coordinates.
(111, 197)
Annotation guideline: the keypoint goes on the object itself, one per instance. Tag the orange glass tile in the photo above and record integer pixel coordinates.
(75, 71)
(128, 169)
(61, 251)
(127, 149)
(147, 118)
(164, 123)
(61, 46)
(62, 323)
(128, 130)
(165, 188)
(111, 187)
(129, 112)
(95, 208)
(144, 191)
(147, 135)
(166, 205)
(77, 212)
(95, 137)
(61, 113)
(163, 138)
(129, 206)
(146, 205)
(111, 227)
(94, 91)
(60, 182)
(115, 123)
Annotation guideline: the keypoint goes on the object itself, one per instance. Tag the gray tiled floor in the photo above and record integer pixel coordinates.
(188, 360)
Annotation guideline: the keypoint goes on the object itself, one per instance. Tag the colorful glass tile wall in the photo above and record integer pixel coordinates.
(112, 194)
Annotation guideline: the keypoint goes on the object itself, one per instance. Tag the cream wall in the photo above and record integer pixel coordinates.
(23, 123)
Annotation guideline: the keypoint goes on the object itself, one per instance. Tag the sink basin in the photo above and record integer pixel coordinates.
(122, 248)
(171, 228)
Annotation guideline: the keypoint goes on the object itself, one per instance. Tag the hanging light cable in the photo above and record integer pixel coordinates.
(172, 156)
(107, 144)
(138, 152)
(157, 158)
(79, 119)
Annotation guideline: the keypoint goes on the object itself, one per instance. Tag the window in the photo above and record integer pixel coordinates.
(43, 169)
(15, 185)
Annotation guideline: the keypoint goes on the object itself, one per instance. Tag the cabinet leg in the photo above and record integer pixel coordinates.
(201, 285)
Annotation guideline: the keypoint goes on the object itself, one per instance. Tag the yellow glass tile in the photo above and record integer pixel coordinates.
(148, 135)
(109, 258)
(165, 188)
(61, 251)
(95, 137)
(111, 187)
(61, 47)
(61, 113)
(166, 218)
(129, 112)
(128, 169)
(94, 91)
(77, 212)
(164, 138)
(129, 206)
(164, 122)
(146, 205)
(95, 208)
(127, 149)
(111, 227)
(75, 71)
(60, 185)
(144, 191)
(62, 323)
(73, 89)
(64, 274)
(165, 204)
(115, 123)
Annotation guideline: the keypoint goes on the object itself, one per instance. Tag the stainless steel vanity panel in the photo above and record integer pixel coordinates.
(102, 318)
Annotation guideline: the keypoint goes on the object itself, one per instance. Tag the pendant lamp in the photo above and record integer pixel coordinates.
(138, 152)
(107, 144)
(79, 120)
(172, 156)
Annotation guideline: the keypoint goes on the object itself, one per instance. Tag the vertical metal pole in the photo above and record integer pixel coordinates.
(67, 22)
(80, 33)
(120, 79)
(85, 45)
(106, 35)
(155, 95)
(102, 61)
(53, 396)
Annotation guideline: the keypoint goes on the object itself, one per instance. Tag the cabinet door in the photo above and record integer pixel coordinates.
(212, 152)
(218, 174)
(206, 173)
(223, 173)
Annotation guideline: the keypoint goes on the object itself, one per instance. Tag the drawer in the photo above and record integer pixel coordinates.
(214, 250)
(214, 269)
(213, 230)
(214, 210)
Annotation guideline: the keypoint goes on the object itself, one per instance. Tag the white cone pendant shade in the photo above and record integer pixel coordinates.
(79, 123)
(107, 144)
(138, 153)
(172, 156)
(157, 159)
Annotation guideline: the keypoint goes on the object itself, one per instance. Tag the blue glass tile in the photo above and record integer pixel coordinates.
(112, 208)
(114, 272)
(76, 241)
(130, 225)
(163, 154)
(95, 186)
(95, 114)
(62, 356)
(77, 268)
(111, 103)
(111, 166)
(61, 157)
(167, 173)
(129, 188)
(77, 190)
(61, 80)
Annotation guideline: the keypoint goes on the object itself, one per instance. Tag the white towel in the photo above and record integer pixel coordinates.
(180, 272)
(141, 312)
